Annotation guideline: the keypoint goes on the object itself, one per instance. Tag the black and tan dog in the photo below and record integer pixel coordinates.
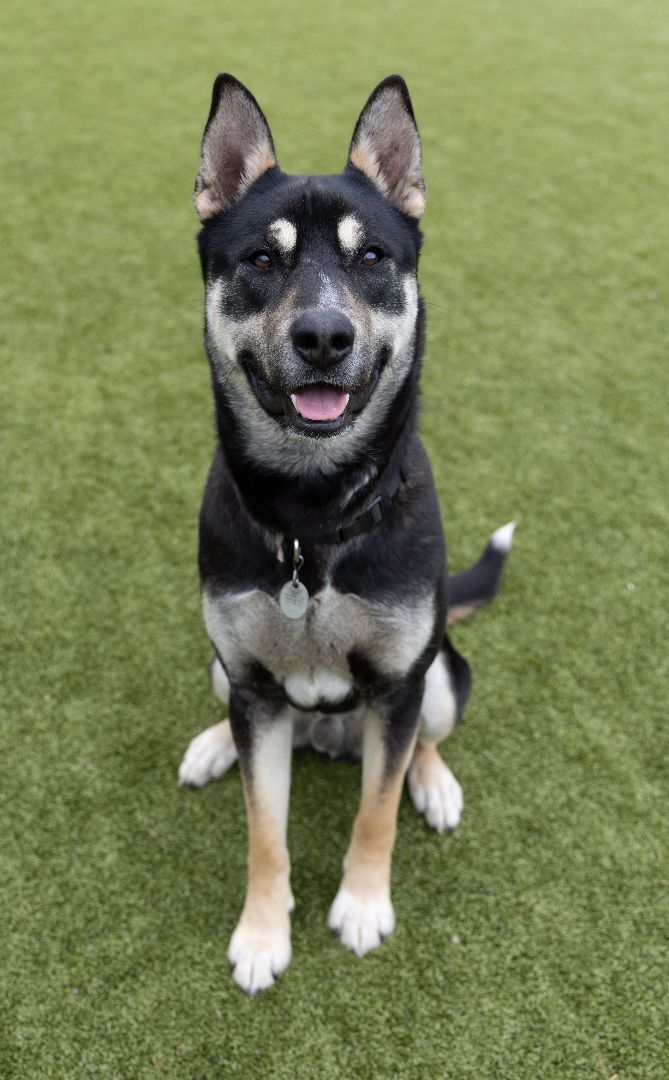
(322, 558)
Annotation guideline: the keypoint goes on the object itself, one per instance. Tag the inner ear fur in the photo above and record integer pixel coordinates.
(237, 148)
(386, 147)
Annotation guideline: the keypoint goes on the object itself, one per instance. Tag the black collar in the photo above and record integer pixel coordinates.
(374, 513)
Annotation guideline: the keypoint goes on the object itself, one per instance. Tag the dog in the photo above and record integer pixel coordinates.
(322, 558)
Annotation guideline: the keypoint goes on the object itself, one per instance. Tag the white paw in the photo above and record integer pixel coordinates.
(435, 792)
(209, 755)
(361, 925)
(258, 955)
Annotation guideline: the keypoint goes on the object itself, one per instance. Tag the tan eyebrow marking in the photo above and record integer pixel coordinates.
(284, 235)
(349, 233)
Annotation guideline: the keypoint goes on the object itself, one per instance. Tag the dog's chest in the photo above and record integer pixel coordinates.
(308, 656)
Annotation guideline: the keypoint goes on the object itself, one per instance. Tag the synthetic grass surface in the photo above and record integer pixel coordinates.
(532, 942)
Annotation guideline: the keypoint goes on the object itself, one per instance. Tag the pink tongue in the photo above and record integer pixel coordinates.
(320, 402)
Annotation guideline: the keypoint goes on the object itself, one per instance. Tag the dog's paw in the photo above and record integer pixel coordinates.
(361, 924)
(209, 755)
(258, 954)
(434, 790)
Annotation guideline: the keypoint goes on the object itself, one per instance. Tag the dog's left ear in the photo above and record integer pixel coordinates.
(386, 147)
(237, 148)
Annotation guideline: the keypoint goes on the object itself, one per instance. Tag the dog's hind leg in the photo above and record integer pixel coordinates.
(260, 946)
(211, 753)
(434, 790)
(362, 912)
(219, 680)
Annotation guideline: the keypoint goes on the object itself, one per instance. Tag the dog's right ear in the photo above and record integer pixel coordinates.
(237, 148)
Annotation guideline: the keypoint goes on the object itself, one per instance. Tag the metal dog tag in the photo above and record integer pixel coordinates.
(294, 600)
(294, 596)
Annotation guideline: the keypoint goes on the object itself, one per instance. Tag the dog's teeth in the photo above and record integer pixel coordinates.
(293, 398)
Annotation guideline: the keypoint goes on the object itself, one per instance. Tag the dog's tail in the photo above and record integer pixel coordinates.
(473, 588)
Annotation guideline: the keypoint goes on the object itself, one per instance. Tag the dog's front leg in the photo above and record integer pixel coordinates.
(260, 946)
(362, 912)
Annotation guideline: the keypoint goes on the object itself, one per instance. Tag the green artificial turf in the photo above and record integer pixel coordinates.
(532, 942)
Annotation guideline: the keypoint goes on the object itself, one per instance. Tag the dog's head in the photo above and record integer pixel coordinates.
(311, 293)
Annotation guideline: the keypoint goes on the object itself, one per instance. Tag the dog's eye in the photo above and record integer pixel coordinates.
(262, 260)
(372, 257)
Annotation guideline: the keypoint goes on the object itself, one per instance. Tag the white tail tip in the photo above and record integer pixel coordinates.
(502, 538)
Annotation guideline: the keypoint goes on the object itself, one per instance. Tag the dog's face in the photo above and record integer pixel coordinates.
(311, 292)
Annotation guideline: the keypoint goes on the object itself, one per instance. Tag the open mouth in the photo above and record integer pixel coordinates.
(317, 409)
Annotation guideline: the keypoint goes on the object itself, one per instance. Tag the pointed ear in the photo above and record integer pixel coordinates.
(237, 148)
(386, 147)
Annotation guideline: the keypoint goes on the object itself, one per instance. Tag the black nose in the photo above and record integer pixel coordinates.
(323, 337)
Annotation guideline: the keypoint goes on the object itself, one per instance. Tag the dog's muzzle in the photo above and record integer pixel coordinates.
(319, 397)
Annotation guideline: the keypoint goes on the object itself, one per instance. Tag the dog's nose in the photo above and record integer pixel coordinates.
(323, 337)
